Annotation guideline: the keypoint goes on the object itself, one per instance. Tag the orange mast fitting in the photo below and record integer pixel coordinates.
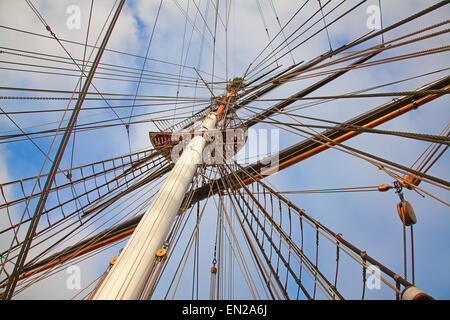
(222, 106)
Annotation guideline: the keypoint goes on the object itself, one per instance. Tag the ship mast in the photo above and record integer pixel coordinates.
(128, 277)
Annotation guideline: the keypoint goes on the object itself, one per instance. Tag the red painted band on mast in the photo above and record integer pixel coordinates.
(222, 106)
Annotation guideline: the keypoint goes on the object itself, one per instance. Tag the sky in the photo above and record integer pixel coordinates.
(368, 220)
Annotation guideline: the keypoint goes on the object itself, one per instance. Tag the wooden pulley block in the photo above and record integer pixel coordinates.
(161, 253)
(383, 187)
(406, 213)
(113, 260)
(411, 181)
(413, 293)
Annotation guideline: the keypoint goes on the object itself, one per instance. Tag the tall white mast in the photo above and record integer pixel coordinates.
(128, 276)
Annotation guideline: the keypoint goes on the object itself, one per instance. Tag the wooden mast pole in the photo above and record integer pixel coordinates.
(128, 277)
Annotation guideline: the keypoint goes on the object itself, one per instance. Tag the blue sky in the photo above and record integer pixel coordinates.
(368, 220)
